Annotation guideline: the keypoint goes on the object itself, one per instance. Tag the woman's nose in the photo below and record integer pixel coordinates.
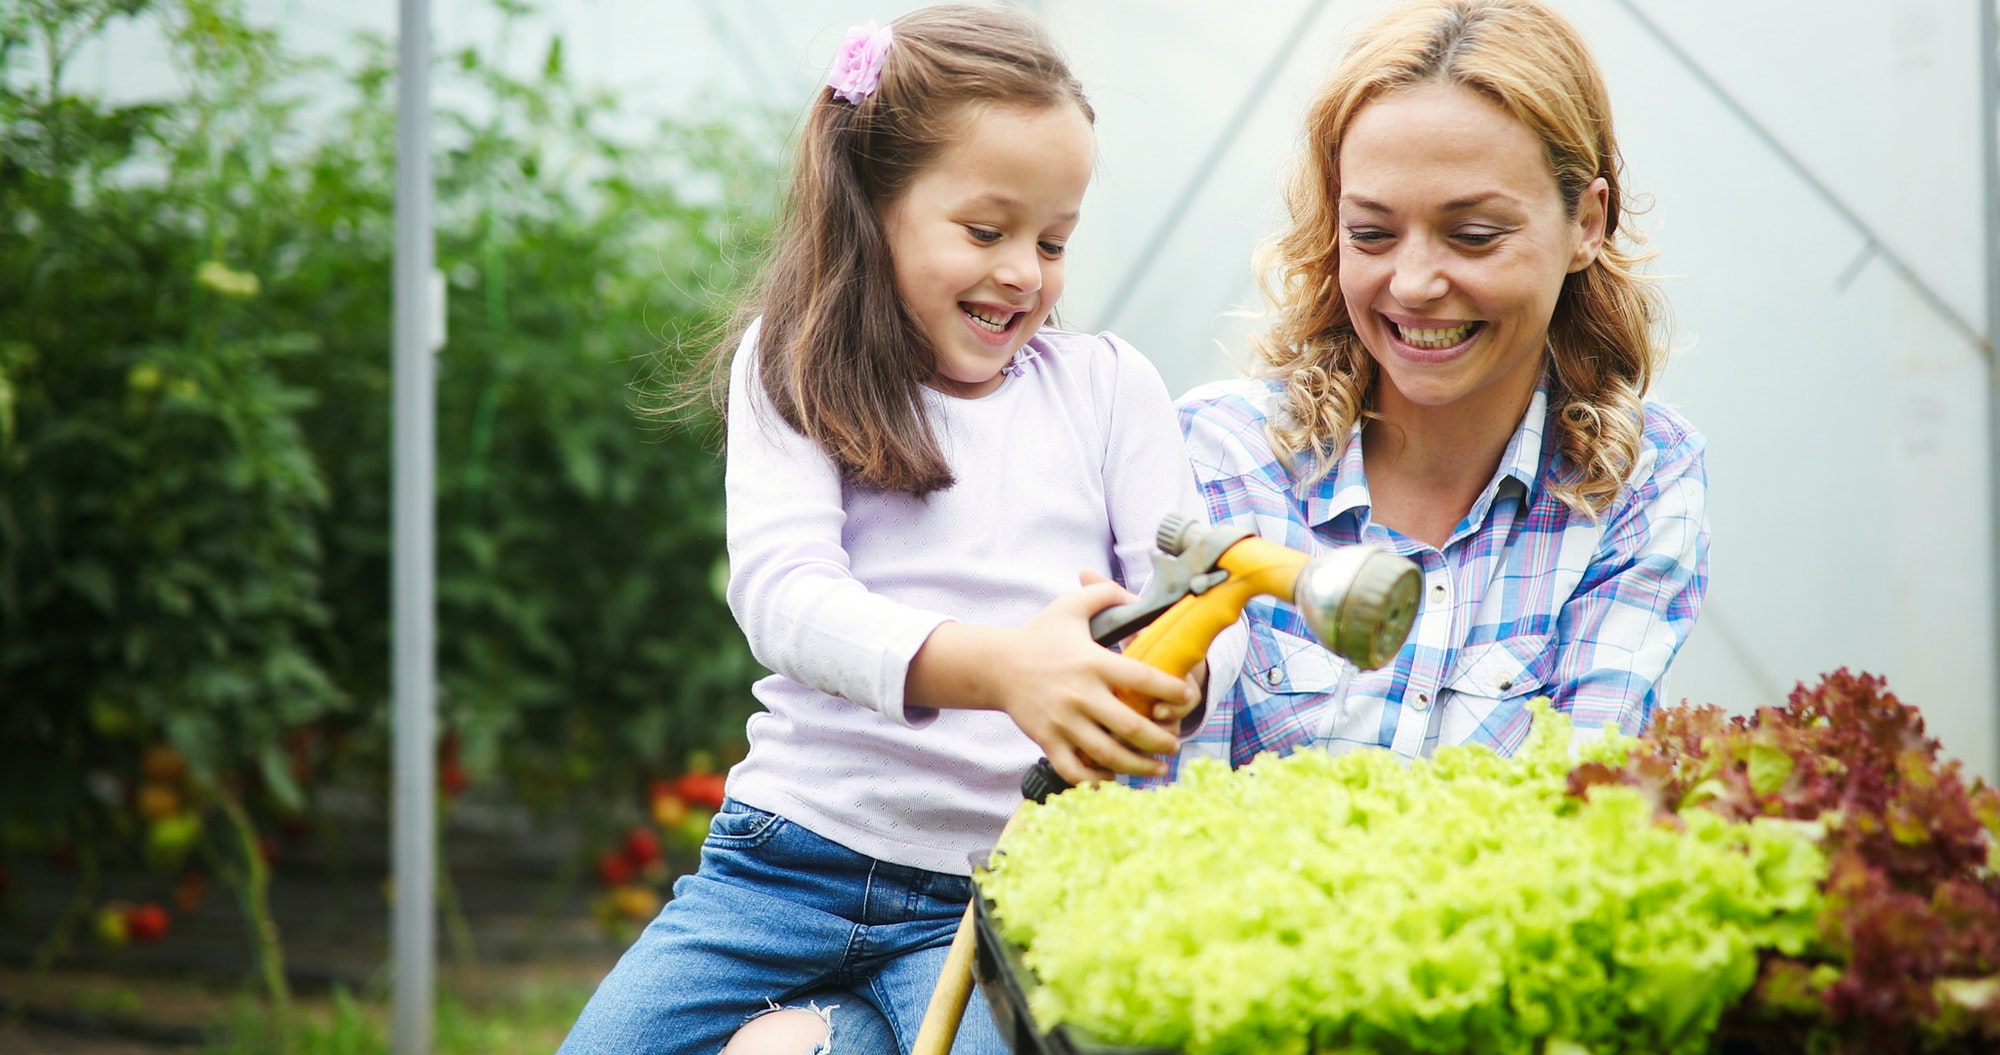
(1419, 276)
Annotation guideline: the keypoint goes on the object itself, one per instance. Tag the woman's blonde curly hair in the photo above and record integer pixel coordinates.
(1603, 337)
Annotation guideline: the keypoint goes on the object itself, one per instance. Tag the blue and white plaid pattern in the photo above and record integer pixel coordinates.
(1526, 599)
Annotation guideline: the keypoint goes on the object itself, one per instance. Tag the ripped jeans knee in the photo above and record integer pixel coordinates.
(847, 1027)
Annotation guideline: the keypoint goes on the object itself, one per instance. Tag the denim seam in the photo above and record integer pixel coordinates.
(768, 828)
(859, 933)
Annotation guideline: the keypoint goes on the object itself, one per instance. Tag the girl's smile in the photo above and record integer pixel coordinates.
(993, 323)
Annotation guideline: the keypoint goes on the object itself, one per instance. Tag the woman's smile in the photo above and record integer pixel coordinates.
(1431, 341)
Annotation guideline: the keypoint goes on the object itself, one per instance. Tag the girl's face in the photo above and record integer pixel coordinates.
(977, 238)
(1453, 248)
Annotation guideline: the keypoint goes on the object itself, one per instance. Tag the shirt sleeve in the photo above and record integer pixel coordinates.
(1637, 602)
(1233, 486)
(1146, 474)
(791, 587)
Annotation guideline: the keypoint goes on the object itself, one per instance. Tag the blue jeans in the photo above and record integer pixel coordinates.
(778, 916)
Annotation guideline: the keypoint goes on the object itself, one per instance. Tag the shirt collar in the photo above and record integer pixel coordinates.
(1346, 487)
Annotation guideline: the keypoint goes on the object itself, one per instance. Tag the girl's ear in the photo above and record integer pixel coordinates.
(1591, 207)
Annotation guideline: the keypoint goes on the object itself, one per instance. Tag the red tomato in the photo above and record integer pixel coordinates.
(642, 847)
(146, 923)
(701, 789)
(614, 869)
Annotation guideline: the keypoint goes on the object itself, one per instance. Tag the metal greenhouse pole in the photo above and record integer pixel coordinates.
(1989, 141)
(417, 335)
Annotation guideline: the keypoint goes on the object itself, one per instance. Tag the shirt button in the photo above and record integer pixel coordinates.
(1423, 701)
(1273, 676)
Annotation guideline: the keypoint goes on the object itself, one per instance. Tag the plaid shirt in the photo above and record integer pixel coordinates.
(1526, 598)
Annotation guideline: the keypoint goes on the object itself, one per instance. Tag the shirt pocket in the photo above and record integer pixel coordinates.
(1484, 700)
(1303, 686)
(1507, 669)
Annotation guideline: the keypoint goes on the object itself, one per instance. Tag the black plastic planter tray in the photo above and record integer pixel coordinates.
(997, 967)
(1006, 981)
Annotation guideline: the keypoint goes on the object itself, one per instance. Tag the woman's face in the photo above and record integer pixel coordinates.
(1453, 248)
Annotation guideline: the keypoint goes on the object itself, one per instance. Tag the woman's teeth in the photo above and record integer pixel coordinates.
(1444, 338)
(996, 323)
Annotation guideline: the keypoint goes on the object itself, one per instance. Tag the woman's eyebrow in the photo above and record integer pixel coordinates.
(1455, 205)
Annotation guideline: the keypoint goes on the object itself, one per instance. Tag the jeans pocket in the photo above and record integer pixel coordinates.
(737, 826)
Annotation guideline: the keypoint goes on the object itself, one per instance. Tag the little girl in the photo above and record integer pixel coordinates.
(917, 474)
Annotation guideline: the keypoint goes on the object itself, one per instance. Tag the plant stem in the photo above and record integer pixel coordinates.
(255, 893)
(456, 927)
(57, 943)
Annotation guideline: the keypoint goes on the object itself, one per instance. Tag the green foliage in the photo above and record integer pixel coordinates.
(1461, 904)
(195, 421)
(158, 499)
(579, 636)
(532, 1020)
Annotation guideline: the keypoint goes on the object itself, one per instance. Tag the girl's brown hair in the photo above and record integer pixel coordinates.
(839, 357)
(1605, 350)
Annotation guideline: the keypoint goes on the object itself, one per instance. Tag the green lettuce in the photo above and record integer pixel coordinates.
(1360, 903)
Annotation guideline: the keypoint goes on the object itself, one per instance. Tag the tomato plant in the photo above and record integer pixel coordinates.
(195, 438)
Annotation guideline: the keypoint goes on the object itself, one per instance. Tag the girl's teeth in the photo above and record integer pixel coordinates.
(1436, 338)
(997, 325)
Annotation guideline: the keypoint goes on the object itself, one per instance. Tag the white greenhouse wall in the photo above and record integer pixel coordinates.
(1847, 418)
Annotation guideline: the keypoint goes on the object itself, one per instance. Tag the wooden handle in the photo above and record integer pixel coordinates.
(954, 989)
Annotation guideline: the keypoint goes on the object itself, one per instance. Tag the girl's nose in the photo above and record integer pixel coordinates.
(1020, 268)
(1419, 276)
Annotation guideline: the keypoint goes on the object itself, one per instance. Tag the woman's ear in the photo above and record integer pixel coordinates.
(1590, 215)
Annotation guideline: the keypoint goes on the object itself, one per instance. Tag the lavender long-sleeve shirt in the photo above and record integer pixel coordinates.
(1069, 464)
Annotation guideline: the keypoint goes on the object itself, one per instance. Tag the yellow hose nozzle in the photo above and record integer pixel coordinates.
(1358, 601)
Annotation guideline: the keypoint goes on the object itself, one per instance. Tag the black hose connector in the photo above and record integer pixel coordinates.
(1043, 781)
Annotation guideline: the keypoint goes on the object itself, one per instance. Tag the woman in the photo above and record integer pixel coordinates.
(1457, 374)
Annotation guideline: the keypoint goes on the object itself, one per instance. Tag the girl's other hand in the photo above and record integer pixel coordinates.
(1058, 685)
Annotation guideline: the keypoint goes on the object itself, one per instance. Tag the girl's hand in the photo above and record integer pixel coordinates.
(1057, 685)
(1169, 714)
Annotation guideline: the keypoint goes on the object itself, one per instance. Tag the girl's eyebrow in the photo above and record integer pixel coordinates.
(1008, 202)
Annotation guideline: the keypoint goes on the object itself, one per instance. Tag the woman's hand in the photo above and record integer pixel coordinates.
(1058, 685)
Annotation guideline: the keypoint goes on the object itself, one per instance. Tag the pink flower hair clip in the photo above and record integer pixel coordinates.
(857, 68)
